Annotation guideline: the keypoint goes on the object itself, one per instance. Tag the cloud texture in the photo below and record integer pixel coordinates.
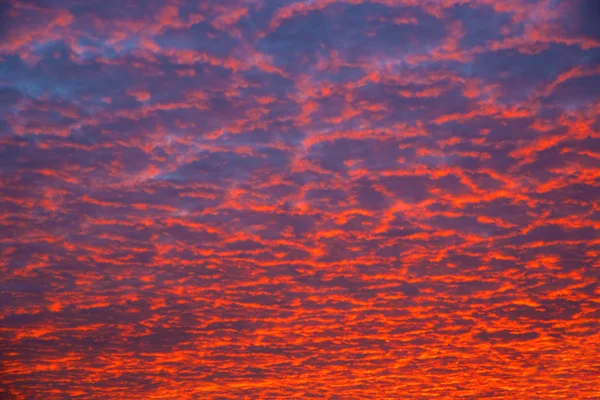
(269, 199)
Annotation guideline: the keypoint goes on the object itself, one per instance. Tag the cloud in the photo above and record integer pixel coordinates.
(302, 199)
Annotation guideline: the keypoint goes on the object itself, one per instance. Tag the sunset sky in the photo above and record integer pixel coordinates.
(278, 199)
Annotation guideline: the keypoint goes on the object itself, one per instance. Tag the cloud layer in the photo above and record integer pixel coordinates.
(300, 199)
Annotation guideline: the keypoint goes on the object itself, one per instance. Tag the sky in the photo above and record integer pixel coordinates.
(277, 199)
